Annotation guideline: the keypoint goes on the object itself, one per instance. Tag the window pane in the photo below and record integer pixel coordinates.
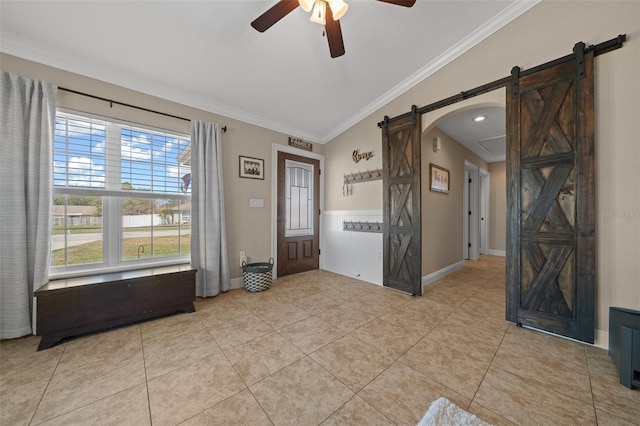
(137, 226)
(155, 228)
(154, 162)
(298, 198)
(141, 174)
(77, 230)
(172, 236)
(79, 153)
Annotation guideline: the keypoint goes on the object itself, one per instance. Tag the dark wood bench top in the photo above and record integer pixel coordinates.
(71, 284)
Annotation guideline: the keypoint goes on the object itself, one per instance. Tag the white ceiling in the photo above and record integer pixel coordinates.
(485, 138)
(206, 55)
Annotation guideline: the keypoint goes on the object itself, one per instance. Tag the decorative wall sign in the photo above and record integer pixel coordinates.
(251, 168)
(364, 156)
(299, 143)
(438, 178)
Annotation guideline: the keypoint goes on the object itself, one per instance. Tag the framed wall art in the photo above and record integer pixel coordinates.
(251, 168)
(438, 179)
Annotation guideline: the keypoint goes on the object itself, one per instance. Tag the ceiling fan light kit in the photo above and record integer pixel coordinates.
(319, 15)
(306, 5)
(338, 8)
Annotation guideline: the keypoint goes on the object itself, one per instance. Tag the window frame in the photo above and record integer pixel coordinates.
(112, 202)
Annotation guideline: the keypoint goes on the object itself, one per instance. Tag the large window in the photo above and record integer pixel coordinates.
(121, 195)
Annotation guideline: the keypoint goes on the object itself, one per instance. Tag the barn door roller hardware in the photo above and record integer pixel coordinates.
(598, 49)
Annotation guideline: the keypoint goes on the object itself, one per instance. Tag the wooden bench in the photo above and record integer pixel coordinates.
(75, 306)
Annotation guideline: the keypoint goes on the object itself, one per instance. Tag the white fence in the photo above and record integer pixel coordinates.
(136, 221)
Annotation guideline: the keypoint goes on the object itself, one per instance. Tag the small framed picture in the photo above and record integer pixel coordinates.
(438, 178)
(251, 168)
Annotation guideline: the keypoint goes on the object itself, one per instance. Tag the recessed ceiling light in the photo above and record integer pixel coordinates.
(479, 118)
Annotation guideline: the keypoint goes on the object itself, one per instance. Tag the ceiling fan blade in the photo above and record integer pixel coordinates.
(273, 15)
(405, 3)
(334, 36)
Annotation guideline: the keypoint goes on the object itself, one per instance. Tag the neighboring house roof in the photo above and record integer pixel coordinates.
(183, 207)
(185, 156)
(58, 210)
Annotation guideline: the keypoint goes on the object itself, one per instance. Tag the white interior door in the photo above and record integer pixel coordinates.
(465, 216)
(471, 210)
(484, 211)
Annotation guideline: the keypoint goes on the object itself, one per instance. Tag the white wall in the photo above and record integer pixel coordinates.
(548, 31)
(350, 253)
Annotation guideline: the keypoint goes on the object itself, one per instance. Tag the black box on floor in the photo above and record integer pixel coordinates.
(624, 344)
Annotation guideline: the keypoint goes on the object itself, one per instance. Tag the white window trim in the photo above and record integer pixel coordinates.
(112, 206)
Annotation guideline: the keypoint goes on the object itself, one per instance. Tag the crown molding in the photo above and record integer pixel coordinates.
(500, 20)
(34, 53)
(93, 70)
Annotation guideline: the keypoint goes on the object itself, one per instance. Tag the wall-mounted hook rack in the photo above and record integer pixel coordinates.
(362, 226)
(358, 177)
(363, 176)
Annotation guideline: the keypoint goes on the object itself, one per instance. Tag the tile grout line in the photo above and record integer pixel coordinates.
(355, 393)
(146, 378)
(395, 360)
(485, 291)
(222, 351)
(81, 406)
(433, 379)
(487, 372)
(456, 309)
(66, 345)
(593, 398)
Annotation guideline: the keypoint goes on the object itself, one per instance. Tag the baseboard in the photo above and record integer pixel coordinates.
(435, 276)
(369, 278)
(236, 283)
(602, 339)
(352, 213)
(493, 252)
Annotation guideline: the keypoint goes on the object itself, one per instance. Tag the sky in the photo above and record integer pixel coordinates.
(148, 160)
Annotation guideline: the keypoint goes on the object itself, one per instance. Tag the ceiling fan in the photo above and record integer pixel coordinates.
(319, 15)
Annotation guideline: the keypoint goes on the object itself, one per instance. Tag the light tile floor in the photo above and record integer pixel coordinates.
(319, 348)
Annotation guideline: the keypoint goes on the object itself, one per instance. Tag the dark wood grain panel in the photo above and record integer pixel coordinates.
(402, 264)
(307, 249)
(74, 307)
(551, 199)
(297, 253)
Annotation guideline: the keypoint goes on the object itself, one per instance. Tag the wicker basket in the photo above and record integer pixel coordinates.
(257, 276)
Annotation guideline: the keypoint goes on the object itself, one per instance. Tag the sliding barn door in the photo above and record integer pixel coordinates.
(551, 198)
(401, 204)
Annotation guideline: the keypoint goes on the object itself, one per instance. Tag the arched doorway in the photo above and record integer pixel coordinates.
(445, 217)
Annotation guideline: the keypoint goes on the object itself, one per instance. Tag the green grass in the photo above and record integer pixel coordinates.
(92, 252)
(77, 229)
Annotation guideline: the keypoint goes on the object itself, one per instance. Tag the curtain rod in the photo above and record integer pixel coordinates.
(111, 102)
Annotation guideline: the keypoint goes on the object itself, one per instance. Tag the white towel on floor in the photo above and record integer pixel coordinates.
(443, 412)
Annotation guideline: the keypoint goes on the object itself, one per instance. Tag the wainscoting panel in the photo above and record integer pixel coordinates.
(352, 253)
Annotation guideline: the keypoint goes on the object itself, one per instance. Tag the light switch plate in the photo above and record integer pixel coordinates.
(256, 202)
